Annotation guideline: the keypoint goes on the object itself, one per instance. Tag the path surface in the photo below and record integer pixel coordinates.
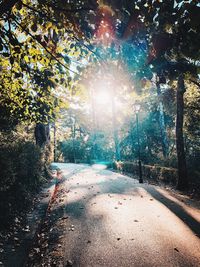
(115, 221)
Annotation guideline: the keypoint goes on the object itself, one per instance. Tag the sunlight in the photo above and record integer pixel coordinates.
(99, 166)
(103, 97)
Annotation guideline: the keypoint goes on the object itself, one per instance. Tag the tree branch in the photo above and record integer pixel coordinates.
(47, 50)
(54, 21)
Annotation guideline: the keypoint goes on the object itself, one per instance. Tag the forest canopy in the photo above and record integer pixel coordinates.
(61, 60)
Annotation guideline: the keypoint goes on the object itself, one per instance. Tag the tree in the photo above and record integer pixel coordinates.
(42, 42)
(169, 53)
(35, 50)
(182, 169)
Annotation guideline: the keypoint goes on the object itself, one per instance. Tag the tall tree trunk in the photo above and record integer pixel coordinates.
(54, 143)
(42, 134)
(182, 168)
(73, 140)
(115, 131)
(94, 128)
(164, 139)
(149, 146)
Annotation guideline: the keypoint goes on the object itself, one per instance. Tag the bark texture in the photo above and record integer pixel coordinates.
(42, 134)
(164, 139)
(182, 182)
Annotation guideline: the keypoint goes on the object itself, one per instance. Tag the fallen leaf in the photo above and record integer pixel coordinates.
(37, 250)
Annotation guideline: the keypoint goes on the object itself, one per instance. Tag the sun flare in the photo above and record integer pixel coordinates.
(103, 98)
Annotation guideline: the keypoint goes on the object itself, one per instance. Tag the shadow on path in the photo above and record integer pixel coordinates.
(123, 185)
(177, 209)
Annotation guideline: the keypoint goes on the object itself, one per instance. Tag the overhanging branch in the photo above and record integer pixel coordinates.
(47, 50)
(68, 31)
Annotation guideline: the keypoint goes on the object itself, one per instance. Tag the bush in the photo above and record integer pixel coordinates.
(21, 174)
(21, 164)
(74, 151)
(152, 173)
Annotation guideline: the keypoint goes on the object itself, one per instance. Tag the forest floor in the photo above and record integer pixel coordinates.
(102, 218)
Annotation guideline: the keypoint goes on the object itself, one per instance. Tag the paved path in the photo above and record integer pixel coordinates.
(115, 221)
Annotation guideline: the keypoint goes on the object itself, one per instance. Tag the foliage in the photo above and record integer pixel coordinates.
(72, 150)
(22, 172)
(33, 62)
(151, 173)
(52, 51)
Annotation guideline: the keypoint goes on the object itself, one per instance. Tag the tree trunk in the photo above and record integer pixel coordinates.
(73, 140)
(182, 183)
(54, 142)
(42, 134)
(94, 128)
(115, 132)
(164, 139)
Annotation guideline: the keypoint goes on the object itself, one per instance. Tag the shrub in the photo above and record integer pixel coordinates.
(21, 174)
(152, 173)
(20, 164)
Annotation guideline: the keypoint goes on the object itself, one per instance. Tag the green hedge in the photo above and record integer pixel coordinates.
(152, 173)
(22, 165)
